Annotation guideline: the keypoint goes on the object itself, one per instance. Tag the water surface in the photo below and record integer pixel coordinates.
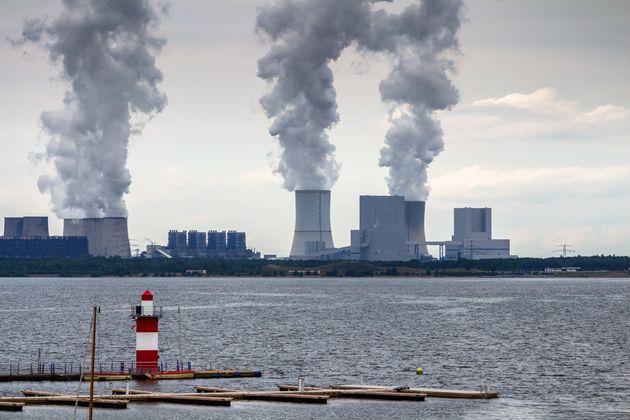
(554, 348)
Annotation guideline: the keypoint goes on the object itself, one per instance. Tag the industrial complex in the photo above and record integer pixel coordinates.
(213, 244)
(391, 228)
(27, 237)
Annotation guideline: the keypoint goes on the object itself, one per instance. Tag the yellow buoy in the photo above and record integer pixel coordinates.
(419, 371)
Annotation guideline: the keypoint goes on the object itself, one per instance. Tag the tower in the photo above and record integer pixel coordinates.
(312, 223)
(147, 316)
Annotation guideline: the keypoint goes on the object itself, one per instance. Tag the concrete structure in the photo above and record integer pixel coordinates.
(382, 233)
(197, 240)
(194, 244)
(312, 224)
(236, 246)
(107, 237)
(13, 227)
(177, 240)
(414, 219)
(26, 227)
(147, 316)
(390, 229)
(472, 237)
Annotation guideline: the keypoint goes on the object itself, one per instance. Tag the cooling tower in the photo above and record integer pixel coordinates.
(26, 227)
(414, 217)
(35, 227)
(13, 227)
(312, 223)
(107, 237)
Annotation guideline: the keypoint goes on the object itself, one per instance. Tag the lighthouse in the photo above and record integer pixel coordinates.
(147, 316)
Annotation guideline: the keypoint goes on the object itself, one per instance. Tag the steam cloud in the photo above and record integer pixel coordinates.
(106, 49)
(307, 35)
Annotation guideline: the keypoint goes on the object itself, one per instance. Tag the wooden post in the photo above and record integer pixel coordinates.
(92, 362)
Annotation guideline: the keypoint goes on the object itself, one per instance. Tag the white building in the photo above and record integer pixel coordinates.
(472, 238)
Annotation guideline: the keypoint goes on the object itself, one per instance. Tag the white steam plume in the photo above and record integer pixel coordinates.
(420, 40)
(307, 35)
(107, 54)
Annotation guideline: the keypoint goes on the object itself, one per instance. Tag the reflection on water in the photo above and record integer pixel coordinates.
(555, 349)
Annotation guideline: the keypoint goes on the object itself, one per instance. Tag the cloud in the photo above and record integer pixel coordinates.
(541, 183)
(537, 115)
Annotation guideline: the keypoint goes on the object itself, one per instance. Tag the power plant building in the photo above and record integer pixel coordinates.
(107, 236)
(27, 237)
(472, 237)
(215, 244)
(196, 240)
(390, 229)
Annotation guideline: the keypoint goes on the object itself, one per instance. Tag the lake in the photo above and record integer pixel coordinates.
(554, 348)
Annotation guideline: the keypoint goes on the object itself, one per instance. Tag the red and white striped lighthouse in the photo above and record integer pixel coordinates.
(147, 315)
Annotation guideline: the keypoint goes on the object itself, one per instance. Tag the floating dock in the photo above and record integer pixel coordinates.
(430, 392)
(213, 396)
(324, 394)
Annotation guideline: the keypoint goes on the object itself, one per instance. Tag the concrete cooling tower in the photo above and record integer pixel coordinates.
(107, 237)
(312, 223)
(26, 227)
(414, 217)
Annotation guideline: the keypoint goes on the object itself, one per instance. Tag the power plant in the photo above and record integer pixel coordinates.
(107, 236)
(213, 244)
(390, 229)
(472, 236)
(27, 237)
(312, 234)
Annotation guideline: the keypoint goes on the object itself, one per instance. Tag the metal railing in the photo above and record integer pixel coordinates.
(66, 368)
(140, 311)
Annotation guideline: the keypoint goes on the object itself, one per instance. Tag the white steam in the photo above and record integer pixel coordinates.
(106, 50)
(307, 35)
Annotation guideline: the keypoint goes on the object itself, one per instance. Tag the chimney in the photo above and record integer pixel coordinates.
(312, 223)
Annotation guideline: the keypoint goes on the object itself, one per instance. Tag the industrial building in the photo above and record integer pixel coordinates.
(472, 237)
(390, 229)
(27, 237)
(213, 244)
(107, 236)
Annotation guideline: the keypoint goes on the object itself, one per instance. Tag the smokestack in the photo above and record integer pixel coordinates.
(414, 217)
(107, 237)
(312, 223)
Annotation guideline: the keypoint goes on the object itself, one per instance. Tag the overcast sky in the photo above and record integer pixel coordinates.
(541, 134)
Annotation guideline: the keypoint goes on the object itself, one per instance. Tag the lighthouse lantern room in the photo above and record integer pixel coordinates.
(147, 315)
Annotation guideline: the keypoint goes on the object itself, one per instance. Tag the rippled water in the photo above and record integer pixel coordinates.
(553, 348)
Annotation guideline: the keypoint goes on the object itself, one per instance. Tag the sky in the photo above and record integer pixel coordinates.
(541, 133)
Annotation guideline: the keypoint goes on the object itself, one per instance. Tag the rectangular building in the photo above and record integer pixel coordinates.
(382, 234)
(472, 236)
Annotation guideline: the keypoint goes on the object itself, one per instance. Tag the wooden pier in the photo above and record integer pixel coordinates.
(429, 392)
(214, 396)
(322, 394)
